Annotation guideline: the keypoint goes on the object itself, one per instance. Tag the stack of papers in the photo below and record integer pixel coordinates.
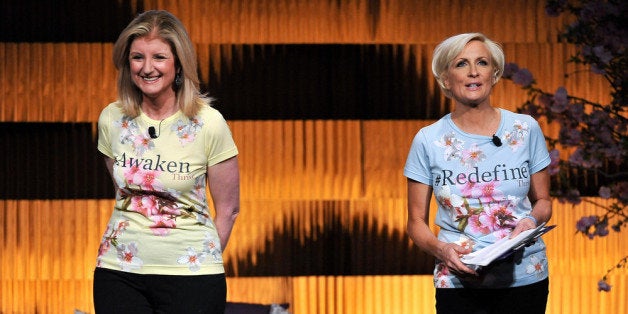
(505, 246)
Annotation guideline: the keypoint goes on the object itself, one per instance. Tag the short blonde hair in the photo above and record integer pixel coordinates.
(169, 28)
(451, 47)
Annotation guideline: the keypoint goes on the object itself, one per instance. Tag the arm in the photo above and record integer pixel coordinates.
(224, 186)
(109, 163)
(539, 196)
(419, 196)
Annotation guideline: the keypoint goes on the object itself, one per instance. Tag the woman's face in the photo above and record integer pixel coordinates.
(470, 75)
(152, 66)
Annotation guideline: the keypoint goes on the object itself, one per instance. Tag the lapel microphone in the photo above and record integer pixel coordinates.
(152, 134)
(151, 131)
(495, 140)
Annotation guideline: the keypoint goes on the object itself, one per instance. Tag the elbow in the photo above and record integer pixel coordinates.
(235, 211)
(232, 213)
(227, 213)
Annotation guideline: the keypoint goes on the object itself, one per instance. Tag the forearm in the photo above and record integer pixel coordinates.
(423, 237)
(540, 197)
(224, 221)
(542, 211)
(224, 186)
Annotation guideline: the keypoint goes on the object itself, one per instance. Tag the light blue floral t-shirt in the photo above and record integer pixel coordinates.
(481, 190)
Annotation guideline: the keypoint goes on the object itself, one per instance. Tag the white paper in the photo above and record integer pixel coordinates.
(492, 252)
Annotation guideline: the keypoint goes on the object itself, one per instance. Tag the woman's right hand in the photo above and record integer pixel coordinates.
(450, 254)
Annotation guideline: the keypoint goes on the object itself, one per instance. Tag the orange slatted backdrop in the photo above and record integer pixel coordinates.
(302, 179)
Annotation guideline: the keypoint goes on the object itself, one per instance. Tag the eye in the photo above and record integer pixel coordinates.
(136, 57)
(460, 64)
(483, 62)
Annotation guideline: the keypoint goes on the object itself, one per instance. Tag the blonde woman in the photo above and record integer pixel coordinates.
(163, 144)
(486, 168)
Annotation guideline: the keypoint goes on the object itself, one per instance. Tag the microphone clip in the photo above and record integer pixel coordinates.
(152, 133)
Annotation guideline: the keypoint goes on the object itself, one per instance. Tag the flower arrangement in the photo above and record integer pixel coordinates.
(594, 134)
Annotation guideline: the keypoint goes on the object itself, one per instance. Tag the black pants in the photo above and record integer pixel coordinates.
(531, 299)
(121, 292)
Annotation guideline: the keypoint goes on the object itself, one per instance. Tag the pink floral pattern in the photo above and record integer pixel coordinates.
(493, 213)
(110, 237)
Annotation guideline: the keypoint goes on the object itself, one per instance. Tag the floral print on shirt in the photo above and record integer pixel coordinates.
(493, 210)
(144, 192)
(110, 238)
(535, 265)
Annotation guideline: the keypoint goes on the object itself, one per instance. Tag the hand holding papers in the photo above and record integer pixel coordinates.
(504, 247)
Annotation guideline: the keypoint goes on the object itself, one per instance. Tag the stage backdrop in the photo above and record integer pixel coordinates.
(323, 98)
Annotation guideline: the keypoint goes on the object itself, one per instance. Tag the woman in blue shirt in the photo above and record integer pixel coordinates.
(487, 169)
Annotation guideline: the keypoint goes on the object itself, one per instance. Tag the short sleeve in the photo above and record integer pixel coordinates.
(104, 135)
(219, 143)
(539, 155)
(417, 164)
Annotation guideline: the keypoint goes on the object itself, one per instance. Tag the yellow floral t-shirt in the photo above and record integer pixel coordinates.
(161, 222)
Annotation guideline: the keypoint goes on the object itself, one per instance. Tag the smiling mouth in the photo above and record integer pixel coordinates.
(149, 79)
(474, 85)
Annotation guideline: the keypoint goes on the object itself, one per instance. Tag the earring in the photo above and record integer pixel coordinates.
(178, 80)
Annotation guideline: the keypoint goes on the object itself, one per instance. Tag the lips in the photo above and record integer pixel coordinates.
(474, 86)
(149, 79)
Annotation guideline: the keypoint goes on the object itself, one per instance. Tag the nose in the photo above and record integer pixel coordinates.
(473, 71)
(147, 67)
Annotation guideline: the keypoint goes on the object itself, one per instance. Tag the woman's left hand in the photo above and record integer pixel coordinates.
(523, 225)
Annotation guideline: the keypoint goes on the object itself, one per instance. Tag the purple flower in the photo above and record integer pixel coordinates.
(531, 109)
(510, 69)
(602, 54)
(577, 111)
(570, 136)
(605, 192)
(602, 285)
(599, 117)
(573, 196)
(523, 77)
(585, 223)
(577, 157)
(561, 100)
(601, 229)
(554, 166)
(545, 101)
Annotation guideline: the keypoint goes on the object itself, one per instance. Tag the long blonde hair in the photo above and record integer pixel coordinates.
(168, 27)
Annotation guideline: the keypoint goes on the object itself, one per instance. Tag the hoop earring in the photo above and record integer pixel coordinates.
(178, 80)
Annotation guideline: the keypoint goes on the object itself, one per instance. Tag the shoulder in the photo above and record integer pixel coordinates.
(209, 113)
(436, 128)
(111, 112)
(113, 108)
(514, 118)
(510, 115)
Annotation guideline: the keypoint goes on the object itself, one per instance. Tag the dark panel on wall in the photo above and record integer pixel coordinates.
(334, 249)
(51, 161)
(64, 20)
(322, 82)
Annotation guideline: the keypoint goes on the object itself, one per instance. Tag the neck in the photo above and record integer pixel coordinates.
(477, 120)
(159, 109)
